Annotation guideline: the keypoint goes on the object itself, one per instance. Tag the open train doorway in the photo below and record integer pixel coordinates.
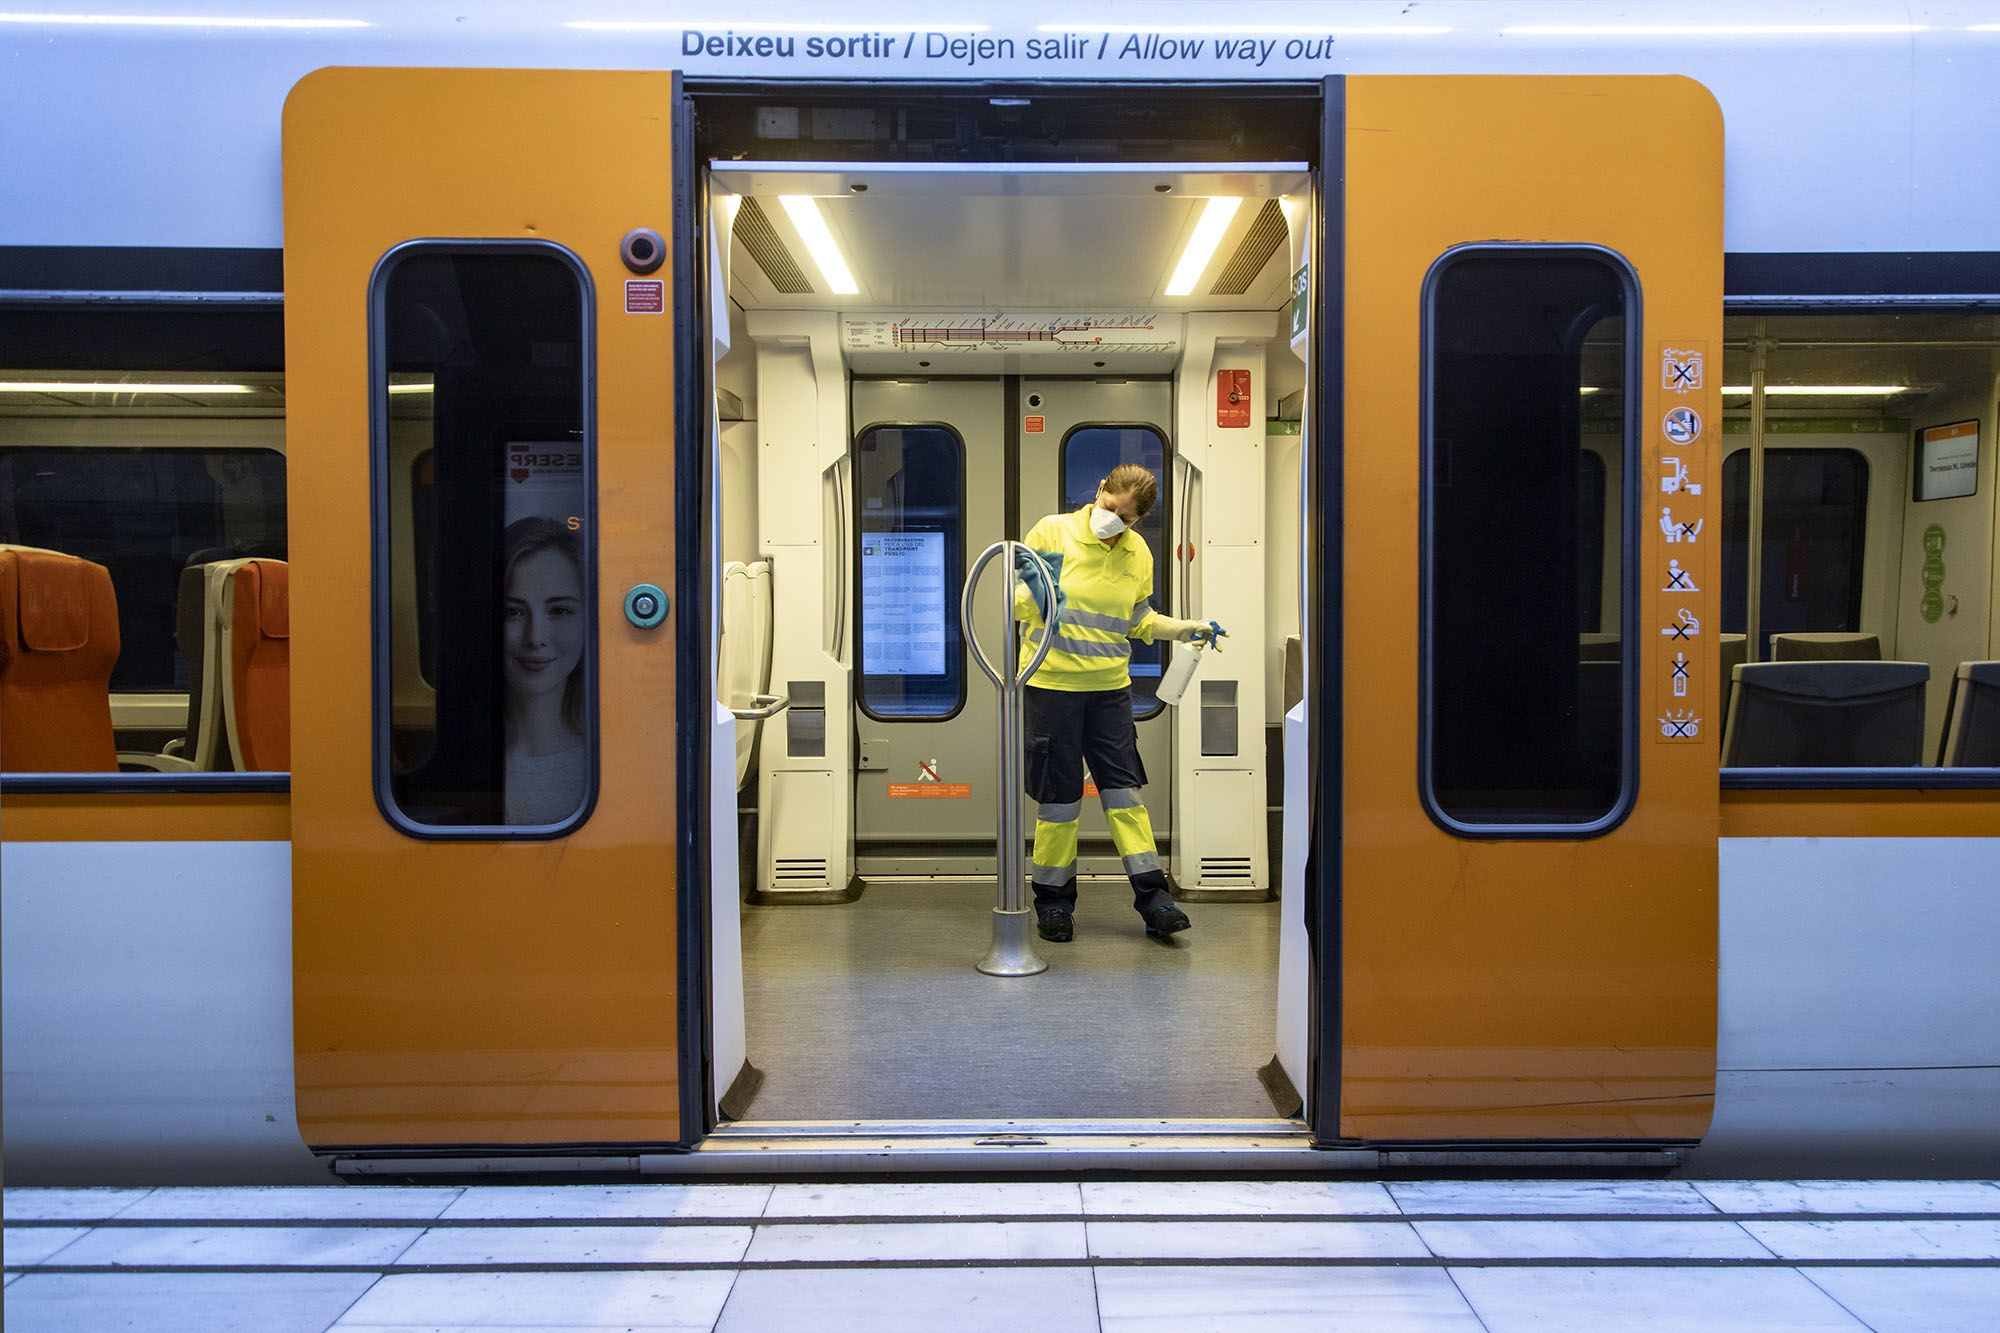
(914, 359)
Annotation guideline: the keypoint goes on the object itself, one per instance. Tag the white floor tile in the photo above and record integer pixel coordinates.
(1548, 1196)
(343, 1203)
(82, 1205)
(179, 1302)
(912, 1300)
(33, 1245)
(1589, 1240)
(1879, 1240)
(880, 1242)
(1656, 1300)
(1915, 1300)
(578, 1245)
(1194, 1241)
(1852, 1196)
(1282, 1300)
(558, 1300)
(1210, 1198)
(168, 1247)
(555, 1202)
(915, 1198)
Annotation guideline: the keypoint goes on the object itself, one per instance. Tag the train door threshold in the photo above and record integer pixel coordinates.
(1008, 1145)
(1017, 1147)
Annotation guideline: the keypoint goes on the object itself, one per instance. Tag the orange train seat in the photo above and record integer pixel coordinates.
(58, 643)
(257, 693)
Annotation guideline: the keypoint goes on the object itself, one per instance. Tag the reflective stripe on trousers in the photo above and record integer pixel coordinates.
(1131, 829)
(1056, 832)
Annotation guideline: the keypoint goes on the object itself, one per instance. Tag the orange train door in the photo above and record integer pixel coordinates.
(481, 444)
(1527, 796)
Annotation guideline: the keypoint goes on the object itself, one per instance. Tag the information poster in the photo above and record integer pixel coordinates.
(544, 479)
(903, 601)
(1948, 461)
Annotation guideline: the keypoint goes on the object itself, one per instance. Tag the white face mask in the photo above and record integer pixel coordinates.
(1105, 523)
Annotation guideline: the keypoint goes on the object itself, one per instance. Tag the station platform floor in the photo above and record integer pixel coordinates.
(1041, 1256)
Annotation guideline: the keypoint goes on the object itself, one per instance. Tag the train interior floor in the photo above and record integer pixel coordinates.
(873, 1010)
(1053, 1256)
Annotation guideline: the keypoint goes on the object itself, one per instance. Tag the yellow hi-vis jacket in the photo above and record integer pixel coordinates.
(1105, 591)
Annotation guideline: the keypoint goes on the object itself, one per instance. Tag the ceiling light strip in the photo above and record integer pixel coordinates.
(1249, 29)
(100, 386)
(176, 21)
(1208, 233)
(756, 25)
(1821, 390)
(1713, 29)
(818, 237)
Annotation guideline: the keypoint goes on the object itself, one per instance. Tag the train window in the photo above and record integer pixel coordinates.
(161, 478)
(1858, 616)
(1815, 523)
(1528, 726)
(1088, 454)
(146, 514)
(910, 485)
(485, 570)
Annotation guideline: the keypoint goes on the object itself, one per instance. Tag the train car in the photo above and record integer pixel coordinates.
(504, 553)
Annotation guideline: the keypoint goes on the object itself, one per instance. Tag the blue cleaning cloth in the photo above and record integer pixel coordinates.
(1038, 587)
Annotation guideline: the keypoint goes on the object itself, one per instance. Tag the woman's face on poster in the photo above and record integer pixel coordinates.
(544, 623)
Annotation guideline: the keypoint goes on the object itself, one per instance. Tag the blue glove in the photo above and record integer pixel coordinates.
(1038, 587)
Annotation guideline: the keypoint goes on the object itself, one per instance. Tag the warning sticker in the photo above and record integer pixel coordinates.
(1034, 425)
(1682, 628)
(645, 296)
(930, 791)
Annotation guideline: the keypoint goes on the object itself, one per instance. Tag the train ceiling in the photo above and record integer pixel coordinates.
(993, 236)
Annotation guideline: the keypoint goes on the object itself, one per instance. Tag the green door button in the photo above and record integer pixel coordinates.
(645, 606)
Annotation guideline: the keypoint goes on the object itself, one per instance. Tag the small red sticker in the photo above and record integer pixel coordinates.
(1232, 398)
(645, 296)
(1035, 425)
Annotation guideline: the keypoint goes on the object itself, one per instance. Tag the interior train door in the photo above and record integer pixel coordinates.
(1526, 674)
(480, 355)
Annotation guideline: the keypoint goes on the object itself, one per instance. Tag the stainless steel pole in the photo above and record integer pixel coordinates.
(1013, 949)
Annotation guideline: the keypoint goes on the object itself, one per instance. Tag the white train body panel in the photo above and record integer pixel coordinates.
(1863, 126)
(1859, 1030)
(148, 1012)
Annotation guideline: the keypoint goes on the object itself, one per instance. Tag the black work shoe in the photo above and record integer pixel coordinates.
(1059, 927)
(1166, 921)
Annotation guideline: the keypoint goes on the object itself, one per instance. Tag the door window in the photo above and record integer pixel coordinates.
(486, 686)
(910, 481)
(1527, 724)
(1088, 454)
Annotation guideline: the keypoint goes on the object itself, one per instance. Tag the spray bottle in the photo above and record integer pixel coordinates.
(1180, 671)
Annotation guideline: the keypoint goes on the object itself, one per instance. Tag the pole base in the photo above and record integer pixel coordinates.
(1013, 952)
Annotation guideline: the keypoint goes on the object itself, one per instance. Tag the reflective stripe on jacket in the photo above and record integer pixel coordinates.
(1106, 604)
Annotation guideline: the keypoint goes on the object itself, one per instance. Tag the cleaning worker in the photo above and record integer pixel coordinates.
(1079, 701)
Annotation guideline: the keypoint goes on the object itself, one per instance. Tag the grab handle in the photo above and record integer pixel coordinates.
(1007, 548)
(762, 706)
